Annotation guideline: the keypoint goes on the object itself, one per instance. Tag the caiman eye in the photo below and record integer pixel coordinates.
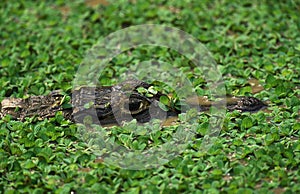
(135, 105)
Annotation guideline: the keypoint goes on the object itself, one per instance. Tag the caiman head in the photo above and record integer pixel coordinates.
(128, 103)
(115, 104)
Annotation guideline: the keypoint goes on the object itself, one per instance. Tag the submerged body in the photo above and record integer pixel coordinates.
(111, 104)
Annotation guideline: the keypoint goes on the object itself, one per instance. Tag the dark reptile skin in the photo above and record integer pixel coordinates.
(111, 104)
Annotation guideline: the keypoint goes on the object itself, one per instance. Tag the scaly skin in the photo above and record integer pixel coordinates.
(111, 104)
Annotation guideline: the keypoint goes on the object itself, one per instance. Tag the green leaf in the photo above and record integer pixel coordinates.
(149, 95)
(29, 164)
(46, 153)
(296, 126)
(164, 100)
(269, 139)
(247, 123)
(141, 90)
(66, 106)
(152, 90)
(162, 106)
(271, 81)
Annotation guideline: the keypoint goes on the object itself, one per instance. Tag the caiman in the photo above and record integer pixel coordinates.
(106, 104)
